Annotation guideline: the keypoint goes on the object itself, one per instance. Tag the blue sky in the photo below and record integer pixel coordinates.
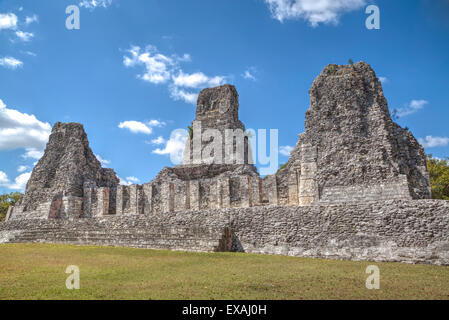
(133, 69)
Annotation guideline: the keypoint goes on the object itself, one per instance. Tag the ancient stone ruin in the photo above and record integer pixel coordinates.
(355, 187)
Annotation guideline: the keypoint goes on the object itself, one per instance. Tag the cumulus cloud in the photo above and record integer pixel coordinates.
(10, 62)
(160, 68)
(31, 19)
(24, 36)
(196, 80)
(141, 127)
(20, 130)
(129, 181)
(174, 147)
(383, 80)
(21, 169)
(3, 179)
(183, 95)
(285, 150)
(314, 11)
(19, 183)
(248, 75)
(32, 153)
(432, 142)
(103, 162)
(93, 4)
(158, 141)
(412, 107)
(8, 21)
(135, 127)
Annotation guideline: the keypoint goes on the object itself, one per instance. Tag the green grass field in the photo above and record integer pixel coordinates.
(33, 271)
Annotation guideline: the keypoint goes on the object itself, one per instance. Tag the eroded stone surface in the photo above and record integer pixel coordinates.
(355, 141)
(68, 162)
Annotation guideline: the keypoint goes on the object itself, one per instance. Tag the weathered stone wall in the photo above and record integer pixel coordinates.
(414, 231)
(351, 141)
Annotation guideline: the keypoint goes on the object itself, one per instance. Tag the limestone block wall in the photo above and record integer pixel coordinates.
(395, 189)
(412, 231)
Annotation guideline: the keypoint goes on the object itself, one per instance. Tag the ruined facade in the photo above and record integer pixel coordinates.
(354, 187)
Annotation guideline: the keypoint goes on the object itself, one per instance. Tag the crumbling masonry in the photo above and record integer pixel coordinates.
(355, 187)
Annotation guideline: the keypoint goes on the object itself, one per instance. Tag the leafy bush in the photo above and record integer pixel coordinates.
(7, 200)
(439, 177)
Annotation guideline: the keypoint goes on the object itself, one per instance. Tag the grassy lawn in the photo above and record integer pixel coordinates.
(34, 271)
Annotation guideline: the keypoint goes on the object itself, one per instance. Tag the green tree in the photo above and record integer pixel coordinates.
(7, 200)
(439, 177)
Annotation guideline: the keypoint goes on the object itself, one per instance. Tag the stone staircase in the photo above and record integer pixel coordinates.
(141, 235)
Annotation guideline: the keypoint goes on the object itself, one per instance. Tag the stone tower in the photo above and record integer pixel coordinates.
(217, 119)
(56, 184)
(351, 149)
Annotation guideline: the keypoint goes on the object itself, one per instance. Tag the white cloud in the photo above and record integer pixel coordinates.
(164, 69)
(285, 150)
(432, 142)
(135, 127)
(3, 179)
(158, 141)
(19, 183)
(383, 79)
(30, 20)
(33, 154)
(196, 80)
(32, 54)
(157, 66)
(129, 181)
(180, 94)
(174, 146)
(156, 123)
(103, 162)
(24, 36)
(20, 130)
(10, 62)
(141, 127)
(314, 11)
(8, 21)
(412, 107)
(92, 4)
(133, 179)
(248, 75)
(21, 169)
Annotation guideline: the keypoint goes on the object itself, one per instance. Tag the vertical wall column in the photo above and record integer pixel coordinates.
(224, 192)
(215, 197)
(89, 199)
(244, 191)
(147, 199)
(167, 197)
(308, 189)
(271, 189)
(256, 191)
(179, 195)
(120, 199)
(102, 208)
(9, 214)
(194, 195)
(293, 191)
